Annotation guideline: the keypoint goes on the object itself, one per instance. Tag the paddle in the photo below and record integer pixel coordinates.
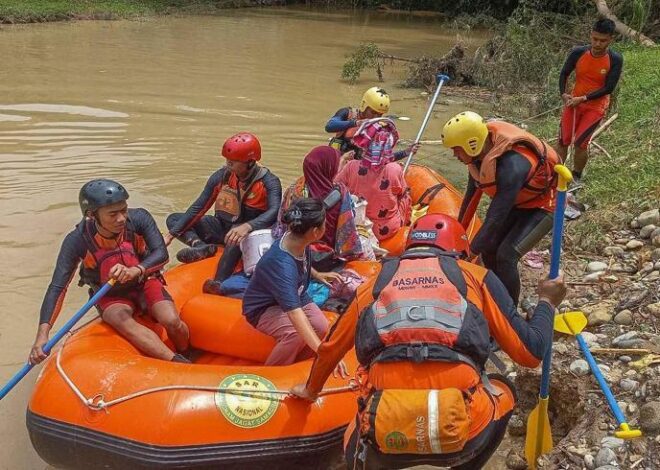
(440, 80)
(57, 336)
(471, 208)
(572, 323)
(539, 437)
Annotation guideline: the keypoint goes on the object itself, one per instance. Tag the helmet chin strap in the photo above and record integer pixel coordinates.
(252, 165)
(99, 227)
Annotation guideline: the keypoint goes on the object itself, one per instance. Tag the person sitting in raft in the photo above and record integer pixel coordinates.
(347, 122)
(276, 302)
(423, 342)
(320, 167)
(515, 169)
(115, 242)
(246, 196)
(378, 180)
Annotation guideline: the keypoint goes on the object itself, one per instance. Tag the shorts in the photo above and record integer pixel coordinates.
(586, 122)
(142, 297)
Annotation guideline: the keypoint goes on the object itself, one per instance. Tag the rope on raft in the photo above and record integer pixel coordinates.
(97, 402)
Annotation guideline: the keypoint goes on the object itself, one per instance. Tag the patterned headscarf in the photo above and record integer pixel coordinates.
(377, 138)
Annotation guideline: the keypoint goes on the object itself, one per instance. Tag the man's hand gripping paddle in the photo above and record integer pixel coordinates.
(57, 336)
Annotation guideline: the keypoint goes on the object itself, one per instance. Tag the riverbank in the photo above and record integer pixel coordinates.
(626, 175)
(611, 263)
(40, 11)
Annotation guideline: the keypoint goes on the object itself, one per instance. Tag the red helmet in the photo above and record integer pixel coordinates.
(242, 147)
(441, 231)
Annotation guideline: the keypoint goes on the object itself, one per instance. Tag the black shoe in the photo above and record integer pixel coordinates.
(196, 253)
(211, 286)
(179, 358)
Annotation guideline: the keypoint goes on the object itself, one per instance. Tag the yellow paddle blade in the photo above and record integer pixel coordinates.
(570, 323)
(625, 432)
(539, 436)
(418, 211)
(565, 177)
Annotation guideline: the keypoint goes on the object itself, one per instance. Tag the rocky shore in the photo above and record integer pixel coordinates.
(619, 291)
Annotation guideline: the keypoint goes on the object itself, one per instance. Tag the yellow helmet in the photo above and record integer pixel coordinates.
(377, 99)
(466, 130)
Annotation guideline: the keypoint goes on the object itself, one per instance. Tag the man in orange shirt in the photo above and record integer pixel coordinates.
(597, 71)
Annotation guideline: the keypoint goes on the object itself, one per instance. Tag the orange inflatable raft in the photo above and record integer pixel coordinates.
(99, 403)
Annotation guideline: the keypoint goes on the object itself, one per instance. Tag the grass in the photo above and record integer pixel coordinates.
(28, 11)
(627, 182)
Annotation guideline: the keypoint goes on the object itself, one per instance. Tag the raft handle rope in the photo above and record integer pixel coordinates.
(98, 403)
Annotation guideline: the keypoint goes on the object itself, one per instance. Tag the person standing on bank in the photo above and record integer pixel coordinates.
(597, 70)
(515, 169)
(115, 242)
(246, 196)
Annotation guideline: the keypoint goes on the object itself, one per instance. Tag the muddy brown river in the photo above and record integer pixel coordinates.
(149, 103)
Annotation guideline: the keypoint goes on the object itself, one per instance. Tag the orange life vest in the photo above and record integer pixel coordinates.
(99, 260)
(421, 316)
(541, 183)
(231, 197)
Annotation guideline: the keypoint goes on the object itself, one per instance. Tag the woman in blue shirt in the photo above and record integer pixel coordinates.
(276, 302)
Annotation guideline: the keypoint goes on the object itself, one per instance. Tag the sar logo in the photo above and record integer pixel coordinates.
(396, 441)
(246, 408)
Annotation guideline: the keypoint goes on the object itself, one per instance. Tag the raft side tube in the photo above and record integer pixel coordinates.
(74, 447)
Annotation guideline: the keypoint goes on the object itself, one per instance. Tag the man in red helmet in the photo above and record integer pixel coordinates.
(421, 332)
(246, 197)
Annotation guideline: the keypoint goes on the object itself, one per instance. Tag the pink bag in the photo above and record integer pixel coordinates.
(377, 138)
(345, 289)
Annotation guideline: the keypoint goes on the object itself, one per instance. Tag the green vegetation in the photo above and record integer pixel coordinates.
(366, 56)
(627, 181)
(28, 11)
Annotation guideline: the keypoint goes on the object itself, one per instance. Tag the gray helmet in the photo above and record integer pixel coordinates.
(100, 193)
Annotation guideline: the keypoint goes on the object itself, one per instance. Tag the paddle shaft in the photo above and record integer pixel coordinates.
(557, 232)
(471, 208)
(614, 406)
(555, 256)
(56, 337)
(441, 79)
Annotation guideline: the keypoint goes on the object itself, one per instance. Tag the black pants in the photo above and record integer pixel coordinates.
(212, 230)
(524, 228)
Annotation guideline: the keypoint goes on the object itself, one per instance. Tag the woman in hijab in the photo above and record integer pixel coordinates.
(378, 179)
(320, 167)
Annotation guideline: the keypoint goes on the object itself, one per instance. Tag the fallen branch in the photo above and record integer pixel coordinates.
(633, 351)
(600, 147)
(627, 31)
(604, 126)
(402, 59)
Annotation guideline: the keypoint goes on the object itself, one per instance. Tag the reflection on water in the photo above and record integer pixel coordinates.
(149, 103)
